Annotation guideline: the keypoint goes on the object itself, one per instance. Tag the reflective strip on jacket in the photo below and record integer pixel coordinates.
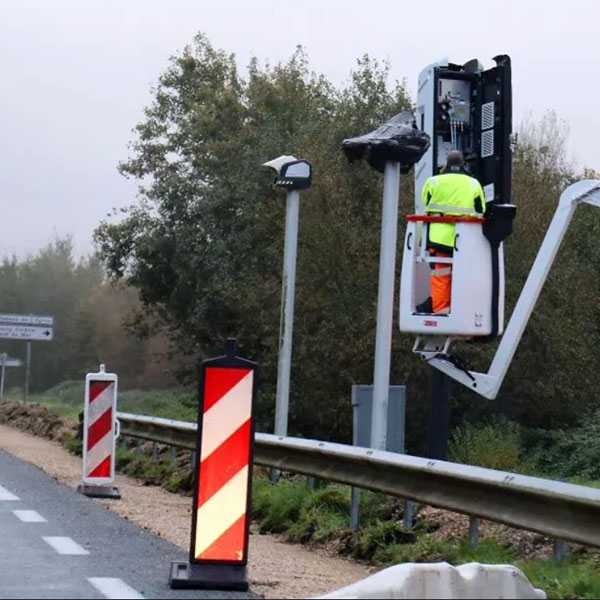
(451, 194)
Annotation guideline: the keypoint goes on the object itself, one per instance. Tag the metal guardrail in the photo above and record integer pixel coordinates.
(553, 508)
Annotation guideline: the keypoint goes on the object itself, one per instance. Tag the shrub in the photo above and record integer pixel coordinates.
(573, 453)
(373, 540)
(496, 445)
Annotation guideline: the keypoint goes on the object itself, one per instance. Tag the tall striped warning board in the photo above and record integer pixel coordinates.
(99, 436)
(219, 545)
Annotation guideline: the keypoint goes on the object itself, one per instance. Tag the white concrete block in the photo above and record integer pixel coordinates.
(441, 580)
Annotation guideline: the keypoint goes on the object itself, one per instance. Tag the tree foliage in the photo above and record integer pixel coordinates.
(203, 245)
(89, 321)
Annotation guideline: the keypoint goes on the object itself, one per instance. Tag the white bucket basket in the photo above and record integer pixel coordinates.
(471, 302)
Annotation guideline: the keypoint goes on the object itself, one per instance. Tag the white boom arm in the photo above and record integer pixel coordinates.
(488, 384)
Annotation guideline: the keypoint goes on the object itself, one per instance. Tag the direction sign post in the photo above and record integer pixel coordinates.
(2, 377)
(27, 369)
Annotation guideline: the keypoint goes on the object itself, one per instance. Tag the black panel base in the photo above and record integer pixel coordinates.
(99, 491)
(191, 576)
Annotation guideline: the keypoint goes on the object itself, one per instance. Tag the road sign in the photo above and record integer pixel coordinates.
(26, 327)
(28, 320)
(11, 362)
(25, 332)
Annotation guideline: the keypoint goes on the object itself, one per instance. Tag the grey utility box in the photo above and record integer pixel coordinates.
(362, 407)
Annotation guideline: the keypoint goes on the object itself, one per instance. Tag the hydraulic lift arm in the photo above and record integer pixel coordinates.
(488, 384)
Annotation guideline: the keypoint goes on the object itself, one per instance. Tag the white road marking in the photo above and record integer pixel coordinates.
(111, 587)
(29, 516)
(65, 545)
(6, 496)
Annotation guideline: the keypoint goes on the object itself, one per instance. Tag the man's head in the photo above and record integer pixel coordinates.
(455, 161)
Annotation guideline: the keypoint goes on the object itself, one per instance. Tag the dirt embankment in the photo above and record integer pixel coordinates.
(35, 419)
(276, 569)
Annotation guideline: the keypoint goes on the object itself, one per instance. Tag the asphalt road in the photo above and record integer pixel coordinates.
(56, 543)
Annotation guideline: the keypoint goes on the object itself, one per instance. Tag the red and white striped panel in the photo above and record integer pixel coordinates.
(220, 532)
(100, 435)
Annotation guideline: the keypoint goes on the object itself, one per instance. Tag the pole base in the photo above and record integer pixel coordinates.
(99, 491)
(192, 576)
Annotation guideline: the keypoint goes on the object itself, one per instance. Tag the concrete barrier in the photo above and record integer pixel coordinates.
(441, 580)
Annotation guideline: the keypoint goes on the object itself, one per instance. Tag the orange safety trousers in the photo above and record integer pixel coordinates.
(441, 283)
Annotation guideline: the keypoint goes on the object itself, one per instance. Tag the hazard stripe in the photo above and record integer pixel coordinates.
(99, 452)
(224, 463)
(225, 417)
(102, 470)
(101, 404)
(230, 545)
(221, 511)
(97, 387)
(218, 381)
(99, 429)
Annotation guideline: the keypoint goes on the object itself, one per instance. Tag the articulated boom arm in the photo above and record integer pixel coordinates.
(488, 384)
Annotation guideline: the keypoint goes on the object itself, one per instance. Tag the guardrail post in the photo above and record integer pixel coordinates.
(560, 548)
(172, 455)
(355, 500)
(473, 532)
(138, 447)
(409, 514)
(154, 452)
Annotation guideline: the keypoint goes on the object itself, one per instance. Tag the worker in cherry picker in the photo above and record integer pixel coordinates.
(452, 193)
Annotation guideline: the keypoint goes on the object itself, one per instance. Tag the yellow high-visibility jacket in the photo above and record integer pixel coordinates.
(451, 194)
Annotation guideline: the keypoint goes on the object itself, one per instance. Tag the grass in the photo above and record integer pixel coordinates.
(66, 399)
(308, 515)
(570, 579)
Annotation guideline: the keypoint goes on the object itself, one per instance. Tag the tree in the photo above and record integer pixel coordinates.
(204, 244)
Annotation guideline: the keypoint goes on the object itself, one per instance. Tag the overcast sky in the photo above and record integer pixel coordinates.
(76, 74)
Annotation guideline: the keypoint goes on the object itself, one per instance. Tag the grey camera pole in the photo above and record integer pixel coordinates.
(385, 304)
(292, 175)
(286, 326)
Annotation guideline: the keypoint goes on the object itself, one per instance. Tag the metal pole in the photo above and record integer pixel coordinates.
(385, 304)
(27, 368)
(473, 531)
(408, 520)
(560, 548)
(354, 506)
(2, 379)
(287, 313)
(439, 417)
